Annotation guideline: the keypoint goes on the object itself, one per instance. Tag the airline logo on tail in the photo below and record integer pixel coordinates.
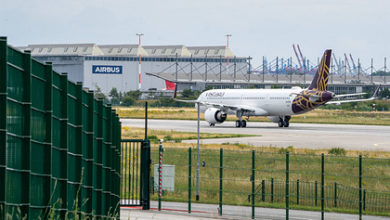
(317, 93)
(320, 80)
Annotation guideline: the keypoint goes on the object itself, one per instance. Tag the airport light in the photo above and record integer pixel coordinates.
(227, 40)
(139, 38)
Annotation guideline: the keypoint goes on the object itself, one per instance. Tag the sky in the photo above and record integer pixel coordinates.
(258, 27)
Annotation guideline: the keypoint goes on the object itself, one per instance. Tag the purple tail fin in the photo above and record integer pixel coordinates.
(320, 80)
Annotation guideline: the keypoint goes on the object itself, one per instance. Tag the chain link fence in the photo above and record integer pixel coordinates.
(252, 179)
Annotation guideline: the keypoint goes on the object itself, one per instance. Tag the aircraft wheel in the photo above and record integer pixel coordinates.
(238, 124)
(286, 123)
(280, 123)
(243, 123)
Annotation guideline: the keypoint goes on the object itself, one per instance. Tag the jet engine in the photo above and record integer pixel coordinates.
(214, 116)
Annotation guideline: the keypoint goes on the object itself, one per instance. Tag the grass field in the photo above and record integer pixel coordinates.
(172, 136)
(270, 163)
(307, 168)
(316, 116)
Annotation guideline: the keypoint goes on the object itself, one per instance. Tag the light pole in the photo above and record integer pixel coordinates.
(139, 60)
(227, 47)
(197, 151)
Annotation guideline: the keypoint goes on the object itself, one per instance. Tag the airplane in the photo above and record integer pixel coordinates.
(278, 104)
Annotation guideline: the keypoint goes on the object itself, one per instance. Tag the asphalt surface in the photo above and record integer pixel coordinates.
(298, 135)
(175, 210)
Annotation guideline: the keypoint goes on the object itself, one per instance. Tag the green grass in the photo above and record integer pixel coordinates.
(305, 165)
(172, 136)
(306, 168)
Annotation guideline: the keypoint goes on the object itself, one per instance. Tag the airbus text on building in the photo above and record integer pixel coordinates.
(105, 69)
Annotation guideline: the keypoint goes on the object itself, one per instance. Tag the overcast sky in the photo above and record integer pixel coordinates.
(259, 28)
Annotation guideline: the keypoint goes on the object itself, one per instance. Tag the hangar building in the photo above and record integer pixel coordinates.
(118, 66)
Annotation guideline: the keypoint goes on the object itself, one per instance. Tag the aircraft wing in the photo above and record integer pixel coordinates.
(185, 100)
(225, 107)
(346, 101)
(355, 100)
(353, 94)
(243, 108)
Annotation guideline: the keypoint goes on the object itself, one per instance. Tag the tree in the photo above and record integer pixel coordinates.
(114, 93)
(187, 93)
(115, 96)
(385, 93)
(99, 95)
(134, 94)
(127, 101)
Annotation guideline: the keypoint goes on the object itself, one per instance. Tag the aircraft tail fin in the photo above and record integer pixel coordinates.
(320, 80)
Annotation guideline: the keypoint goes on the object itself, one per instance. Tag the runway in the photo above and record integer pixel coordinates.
(298, 135)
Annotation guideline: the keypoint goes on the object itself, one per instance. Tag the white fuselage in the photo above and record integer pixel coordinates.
(267, 102)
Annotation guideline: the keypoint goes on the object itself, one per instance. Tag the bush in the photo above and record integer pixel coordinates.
(338, 151)
(285, 150)
(127, 101)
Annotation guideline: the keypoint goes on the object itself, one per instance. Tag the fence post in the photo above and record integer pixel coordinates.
(160, 150)
(27, 64)
(3, 120)
(322, 185)
(335, 194)
(48, 99)
(189, 179)
(220, 179)
(262, 190)
(364, 200)
(297, 191)
(253, 184)
(146, 120)
(315, 193)
(287, 184)
(145, 172)
(272, 190)
(360, 187)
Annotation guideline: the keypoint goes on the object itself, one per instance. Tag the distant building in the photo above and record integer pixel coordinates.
(117, 66)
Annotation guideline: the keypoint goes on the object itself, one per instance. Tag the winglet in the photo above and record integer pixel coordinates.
(376, 92)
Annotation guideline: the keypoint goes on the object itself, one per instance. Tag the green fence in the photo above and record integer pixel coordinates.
(60, 147)
(358, 185)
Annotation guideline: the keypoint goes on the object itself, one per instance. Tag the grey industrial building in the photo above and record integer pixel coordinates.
(109, 66)
(117, 66)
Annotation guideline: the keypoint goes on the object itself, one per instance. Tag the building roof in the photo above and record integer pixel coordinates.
(127, 50)
(63, 49)
(123, 50)
(211, 51)
(168, 50)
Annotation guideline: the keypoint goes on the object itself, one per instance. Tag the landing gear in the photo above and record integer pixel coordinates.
(280, 123)
(284, 121)
(240, 123)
